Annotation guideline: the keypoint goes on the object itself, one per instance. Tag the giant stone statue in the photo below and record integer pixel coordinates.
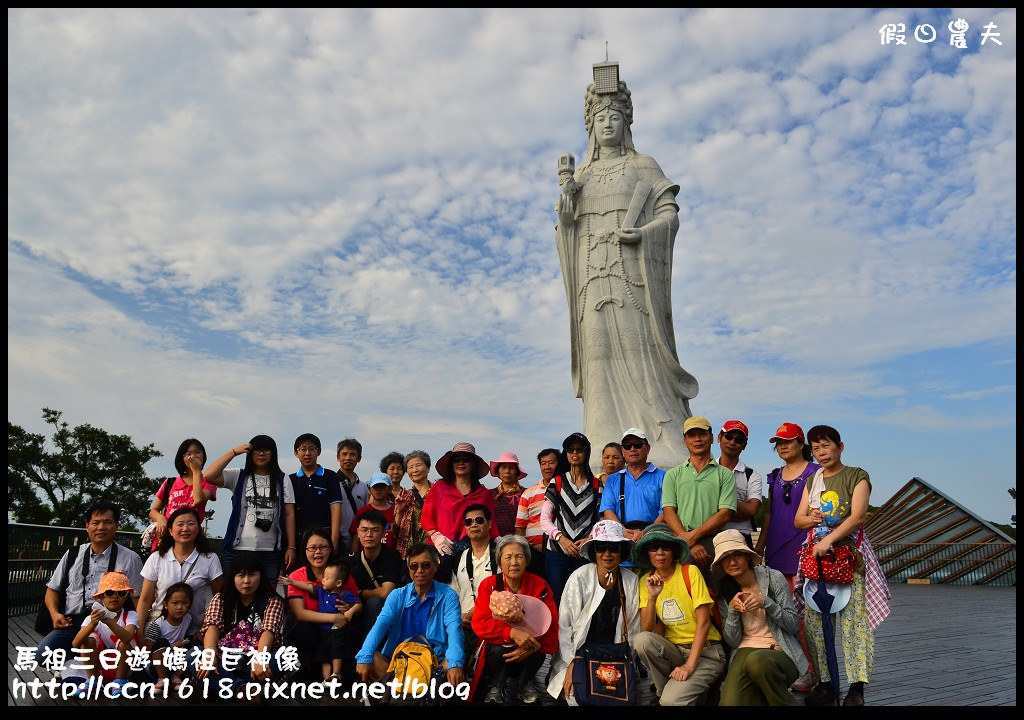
(617, 223)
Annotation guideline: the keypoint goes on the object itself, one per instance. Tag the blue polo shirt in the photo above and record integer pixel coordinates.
(314, 495)
(643, 494)
(414, 619)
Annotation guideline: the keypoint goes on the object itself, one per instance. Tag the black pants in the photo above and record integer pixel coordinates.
(500, 670)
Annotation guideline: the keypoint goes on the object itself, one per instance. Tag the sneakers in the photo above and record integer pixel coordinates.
(115, 688)
(494, 696)
(529, 694)
(805, 683)
(162, 685)
(821, 695)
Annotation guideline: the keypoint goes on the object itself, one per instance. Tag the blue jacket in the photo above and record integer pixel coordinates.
(444, 625)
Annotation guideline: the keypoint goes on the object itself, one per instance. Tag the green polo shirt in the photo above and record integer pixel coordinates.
(697, 496)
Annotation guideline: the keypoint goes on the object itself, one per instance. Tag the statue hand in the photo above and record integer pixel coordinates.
(566, 210)
(629, 236)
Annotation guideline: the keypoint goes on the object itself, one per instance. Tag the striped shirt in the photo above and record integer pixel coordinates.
(575, 511)
(528, 516)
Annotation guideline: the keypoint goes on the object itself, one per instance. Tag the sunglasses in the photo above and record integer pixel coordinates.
(656, 546)
(112, 593)
(416, 567)
(632, 446)
(736, 437)
(576, 450)
(478, 520)
(462, 459)
(602, 547)
(787, 489)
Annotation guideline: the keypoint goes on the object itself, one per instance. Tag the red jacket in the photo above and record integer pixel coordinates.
(444, 505)
(499, 633)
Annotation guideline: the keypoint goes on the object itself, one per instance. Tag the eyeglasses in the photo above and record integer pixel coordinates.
(478, 520)
(260, 451)
(112, 593)
(787, 488)
(416, 567)
(576, 450)
(308, 448)
(601, 547)
(317, 548)
(462, 459)
(632, 446)
(661, 545)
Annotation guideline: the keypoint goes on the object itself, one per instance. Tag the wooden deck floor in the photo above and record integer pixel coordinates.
(942, 645)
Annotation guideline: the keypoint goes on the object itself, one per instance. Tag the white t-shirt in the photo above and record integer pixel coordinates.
(745, 490)
(106, 636)
(160, 628)
(165, 571)
(257, 504)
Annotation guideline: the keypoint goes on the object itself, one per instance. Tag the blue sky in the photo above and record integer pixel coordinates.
(226, 222)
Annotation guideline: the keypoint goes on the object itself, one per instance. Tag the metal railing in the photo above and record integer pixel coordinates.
(989, 563)
(33, 552)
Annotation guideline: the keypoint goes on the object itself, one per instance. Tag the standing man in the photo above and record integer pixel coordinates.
(632, 496)
(317, 491)
(732, 440)
(699, 496)
(355, 494)
(77, 576)
(530, 504)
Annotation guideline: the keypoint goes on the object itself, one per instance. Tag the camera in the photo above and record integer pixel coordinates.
(264, 524)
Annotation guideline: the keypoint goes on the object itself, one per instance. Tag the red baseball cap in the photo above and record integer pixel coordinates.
(735, 425)
(788, 431)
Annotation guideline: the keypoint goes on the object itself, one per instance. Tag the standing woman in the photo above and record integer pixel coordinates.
(393, 465)
(759, 622)
(571, 507)
(835, 506)
(459, 487)
(183, 555)
(506, 496)
(409, 502)
(780, 540)
(189, 488)
(262, 505)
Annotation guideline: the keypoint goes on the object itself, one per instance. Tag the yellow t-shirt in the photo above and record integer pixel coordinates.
(675, 608)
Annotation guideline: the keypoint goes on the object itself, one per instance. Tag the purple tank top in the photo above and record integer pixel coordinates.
(784, 540)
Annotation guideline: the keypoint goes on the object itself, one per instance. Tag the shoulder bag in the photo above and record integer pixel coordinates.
(604, 674)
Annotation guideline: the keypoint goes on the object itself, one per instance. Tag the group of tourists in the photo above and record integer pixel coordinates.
(513, 587)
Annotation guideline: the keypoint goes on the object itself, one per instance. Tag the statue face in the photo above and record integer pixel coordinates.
(608, 127)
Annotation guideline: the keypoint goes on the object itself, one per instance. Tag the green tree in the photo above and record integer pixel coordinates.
(87, 464)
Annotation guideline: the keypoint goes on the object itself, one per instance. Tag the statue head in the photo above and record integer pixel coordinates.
(595, 103)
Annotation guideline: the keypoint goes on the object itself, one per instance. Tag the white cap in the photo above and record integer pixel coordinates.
(635, 432)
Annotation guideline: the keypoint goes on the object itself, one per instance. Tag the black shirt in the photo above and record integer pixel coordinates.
(602, 625)
(388, 566)
(314, 495)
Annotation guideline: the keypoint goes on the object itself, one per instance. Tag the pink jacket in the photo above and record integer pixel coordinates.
(444, 505)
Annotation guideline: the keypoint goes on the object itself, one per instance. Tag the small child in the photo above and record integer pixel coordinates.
(173, 629)
(109, 627)
(334, 646)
